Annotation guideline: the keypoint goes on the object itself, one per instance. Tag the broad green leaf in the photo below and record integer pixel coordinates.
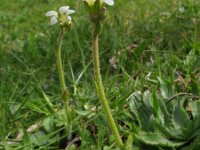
(155, 104)
(48, 123)
(194, 108)
(38, 138)
(141, 109)
(156, 108)
(165, 87)
(180, 117)
(167, 131)
(61, 118)
(157, 139)
(194, 145)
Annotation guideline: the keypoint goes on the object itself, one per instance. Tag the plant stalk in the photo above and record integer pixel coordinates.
(65, 94)
(100, 89)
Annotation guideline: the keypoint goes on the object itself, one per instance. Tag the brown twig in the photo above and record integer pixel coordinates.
(19, 137)
(72, 142)
(182, 94)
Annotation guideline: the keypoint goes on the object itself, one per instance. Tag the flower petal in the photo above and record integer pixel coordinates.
(109, 2)
(53, 20)
(69, 18)
(70, 11)
(63, 9)
(51, 14)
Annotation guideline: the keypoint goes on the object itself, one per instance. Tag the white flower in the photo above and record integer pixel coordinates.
(53, 15)
(64, 10)
(61, 16)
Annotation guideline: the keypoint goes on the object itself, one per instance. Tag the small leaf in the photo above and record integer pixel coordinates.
(129, 143)
(82, 112)
(61, 118)
(48, 123)
(39, 138)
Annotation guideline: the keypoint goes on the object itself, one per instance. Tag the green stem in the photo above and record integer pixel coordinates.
(64, 91)
(99, 84)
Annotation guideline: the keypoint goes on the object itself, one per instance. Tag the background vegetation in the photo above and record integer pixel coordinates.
(148, 48)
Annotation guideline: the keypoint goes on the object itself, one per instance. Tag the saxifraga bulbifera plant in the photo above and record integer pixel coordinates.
(97, 12)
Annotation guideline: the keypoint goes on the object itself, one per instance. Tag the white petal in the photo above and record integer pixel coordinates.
(70, 11)
(63, 9)
(69, 18)
(54, 20)
(181, 9)
(51, 14)
(109, 2)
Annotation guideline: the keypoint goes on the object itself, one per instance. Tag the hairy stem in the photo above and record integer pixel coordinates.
(65, 94)
(99, 84)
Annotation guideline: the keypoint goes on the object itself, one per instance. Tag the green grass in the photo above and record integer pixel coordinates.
(142, 37)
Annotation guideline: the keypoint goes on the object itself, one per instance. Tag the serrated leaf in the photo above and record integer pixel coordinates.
(141, 109)
(155, 104)
(194, 108)
(156, 139)
(170, 132)
(61, 118)
(156, 109)
(194, 145)
(180, 117)
(38, 138)
(165, 87)
(48, 123)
